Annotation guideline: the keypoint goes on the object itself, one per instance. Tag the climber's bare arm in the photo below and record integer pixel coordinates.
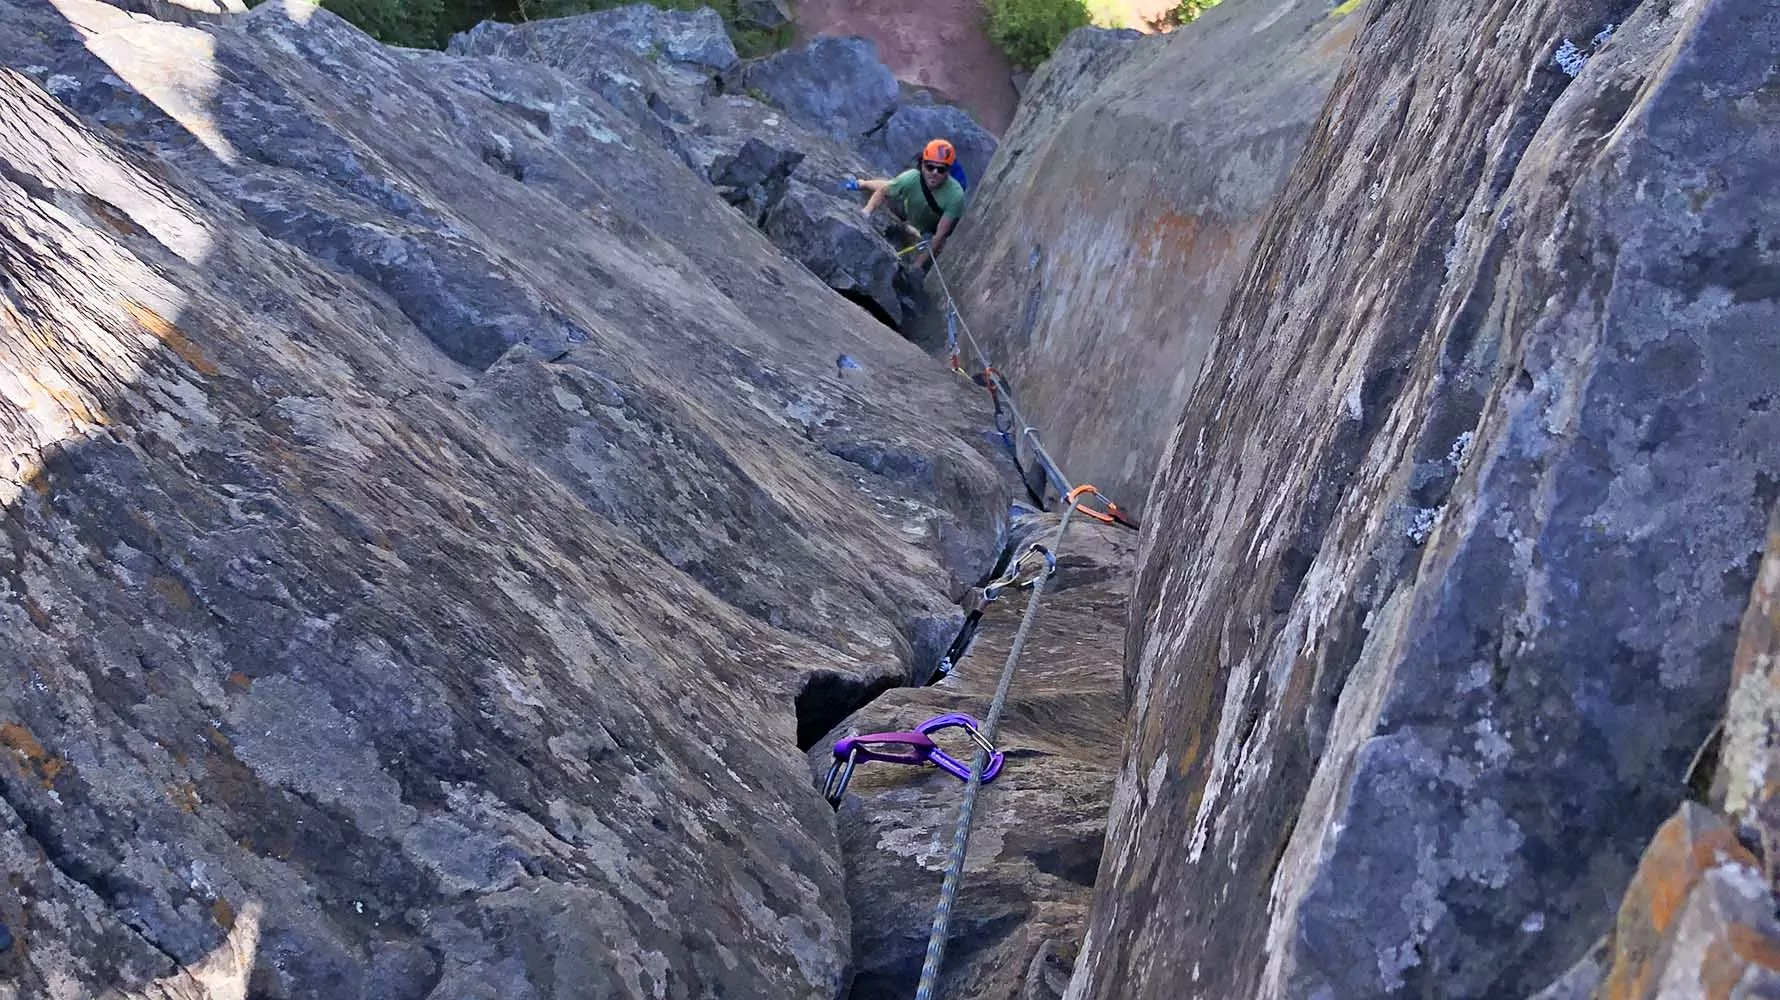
(879, 189)
(939, 234)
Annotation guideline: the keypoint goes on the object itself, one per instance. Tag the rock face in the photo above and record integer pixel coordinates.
(807, 118)
(942, 46)
(655, 66)
(910, 126)
(1098, 256)
(1747, 776)
(1699, 918)
(1038, 827)
(811, 217)
(428, 507)
(693, 40)
(1412, 693)
(835, 84)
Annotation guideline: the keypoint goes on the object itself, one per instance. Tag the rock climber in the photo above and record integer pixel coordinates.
(927, 197)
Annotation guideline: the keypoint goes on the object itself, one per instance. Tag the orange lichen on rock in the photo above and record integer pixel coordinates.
(1688, 886)
(172, 336)
(1172, 233)
(31, 754)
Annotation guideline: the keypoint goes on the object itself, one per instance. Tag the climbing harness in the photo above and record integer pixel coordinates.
(921, 242)
(916, 748)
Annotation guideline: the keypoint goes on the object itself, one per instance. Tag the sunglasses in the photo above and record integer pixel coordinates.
(934, 168)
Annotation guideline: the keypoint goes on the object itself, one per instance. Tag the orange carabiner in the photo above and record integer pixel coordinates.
(1112, 515)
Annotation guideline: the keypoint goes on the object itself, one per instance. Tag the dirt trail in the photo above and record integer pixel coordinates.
(942, 44)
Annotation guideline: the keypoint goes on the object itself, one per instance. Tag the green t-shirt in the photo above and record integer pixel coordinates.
(906, 189)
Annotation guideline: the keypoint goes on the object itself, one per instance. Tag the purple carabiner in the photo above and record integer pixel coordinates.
(946, 761)
(919, 747)
(850, 750)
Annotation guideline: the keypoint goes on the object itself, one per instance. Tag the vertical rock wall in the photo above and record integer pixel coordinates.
(1445, 559)
(1100, 249)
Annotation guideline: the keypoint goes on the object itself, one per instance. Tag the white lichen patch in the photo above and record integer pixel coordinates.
(1571, 58)
(1460, 445)
(1483, 849)
(813, 951)
(463, 859)
(292, 736)
(1490, 745)
(1751, 716)
(1475, 679)
(568, 400)
(602, 134)
(1421, 524)
(315, 423)
(1158, 774)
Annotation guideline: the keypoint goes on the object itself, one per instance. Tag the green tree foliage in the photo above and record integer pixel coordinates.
(1188, 10)
(1029, 30)
(414, 23)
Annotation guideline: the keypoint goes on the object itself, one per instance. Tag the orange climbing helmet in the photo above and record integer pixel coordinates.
(939, 151)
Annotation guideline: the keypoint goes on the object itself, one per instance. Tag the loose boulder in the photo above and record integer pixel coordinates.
(912, 124)
(763, 13)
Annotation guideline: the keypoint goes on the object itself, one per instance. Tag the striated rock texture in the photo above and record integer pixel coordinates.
(1444, 564)
(1038, 827)
(1106, 238)
(425, 503)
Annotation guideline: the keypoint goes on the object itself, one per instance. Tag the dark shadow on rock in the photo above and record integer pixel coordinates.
(827, 699)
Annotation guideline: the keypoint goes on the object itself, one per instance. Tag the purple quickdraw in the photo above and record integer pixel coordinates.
(850, 750)
(946, 761)
(916, 748)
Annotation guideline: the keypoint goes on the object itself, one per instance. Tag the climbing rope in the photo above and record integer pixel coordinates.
(1001, 395)
(1032, 569)
(948, 893)
(1027, 567)
(1020, 572)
